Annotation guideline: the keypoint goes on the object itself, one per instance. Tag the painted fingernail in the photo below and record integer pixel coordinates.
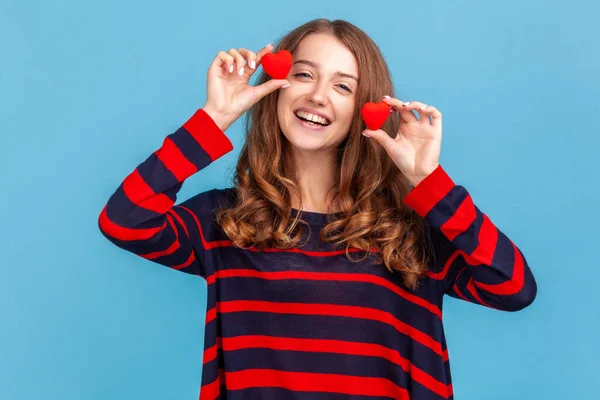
(231, 68)
(424, 107)
(241, 71)
(252, 64)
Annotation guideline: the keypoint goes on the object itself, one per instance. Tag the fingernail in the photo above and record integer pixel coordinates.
(270, 44)
(231, 68)
(364, 134)
(241, 71)
(252, 64)
(286, 85)
(424, 107)
(406, 104)
(386, 97)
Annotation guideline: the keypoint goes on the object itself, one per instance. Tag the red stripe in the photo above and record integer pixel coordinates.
(332, 310)
(208, 135)
(473, 291)
(331, 276)
(460, 221)
(513, 285)
(175, 161)
(209, 354)
(180, 220)
(142, 195)
(186, 263)
(339, 347)
(207, 245)
(155, 254)
(192, 257)
(210, 391)
(122, 233)
(135, 188)
(211, 279)
(211, 315)
(314, 382)
(488, 240)
(170, 250)
(459, 293)
(423, 197)
(455, 287)
(442, 274)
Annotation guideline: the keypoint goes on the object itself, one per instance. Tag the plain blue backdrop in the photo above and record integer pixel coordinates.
(89, 90)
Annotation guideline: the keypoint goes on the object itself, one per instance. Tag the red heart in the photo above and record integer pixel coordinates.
(375, 114)
(277, 65)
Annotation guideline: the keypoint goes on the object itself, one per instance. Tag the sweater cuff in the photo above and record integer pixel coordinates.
(433, 188)
(206, 132)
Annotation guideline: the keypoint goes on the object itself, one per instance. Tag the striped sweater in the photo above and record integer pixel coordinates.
(307, 323)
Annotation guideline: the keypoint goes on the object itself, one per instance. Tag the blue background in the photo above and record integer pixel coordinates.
(88, 91)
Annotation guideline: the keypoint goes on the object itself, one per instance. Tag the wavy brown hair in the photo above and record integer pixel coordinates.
(373, 220)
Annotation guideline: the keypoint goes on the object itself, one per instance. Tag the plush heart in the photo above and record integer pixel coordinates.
(277, 65)
(375, 114)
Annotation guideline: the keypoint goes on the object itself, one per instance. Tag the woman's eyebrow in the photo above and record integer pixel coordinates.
(315, 65)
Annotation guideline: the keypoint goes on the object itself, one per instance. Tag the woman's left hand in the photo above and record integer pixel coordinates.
(417, 145)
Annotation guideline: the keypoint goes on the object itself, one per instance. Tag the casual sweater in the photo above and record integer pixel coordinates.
(307, 323)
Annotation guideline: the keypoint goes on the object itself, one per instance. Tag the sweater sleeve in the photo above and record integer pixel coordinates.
(140, 216)
(482, 265)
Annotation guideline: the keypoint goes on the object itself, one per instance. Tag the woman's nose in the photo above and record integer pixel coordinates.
(318, 95)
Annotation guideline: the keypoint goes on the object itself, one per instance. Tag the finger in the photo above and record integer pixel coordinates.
(418, 107)
(381, 137)
(407, 115)
(269, 86)
(224, 59)
(239, 61)
(250, 57)
(425, 112)
(267, 49)
(435, 114)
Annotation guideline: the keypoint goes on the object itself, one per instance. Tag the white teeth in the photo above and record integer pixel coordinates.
(312, 117)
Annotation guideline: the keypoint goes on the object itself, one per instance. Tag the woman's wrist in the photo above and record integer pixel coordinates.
(222, 121)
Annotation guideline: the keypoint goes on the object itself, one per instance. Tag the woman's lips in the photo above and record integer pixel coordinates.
(315, 127)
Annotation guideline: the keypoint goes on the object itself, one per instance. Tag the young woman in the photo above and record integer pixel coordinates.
(327, 261)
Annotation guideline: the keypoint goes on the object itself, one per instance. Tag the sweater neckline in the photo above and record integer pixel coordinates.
(316, 218)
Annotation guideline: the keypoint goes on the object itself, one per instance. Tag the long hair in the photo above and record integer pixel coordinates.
(373, 218)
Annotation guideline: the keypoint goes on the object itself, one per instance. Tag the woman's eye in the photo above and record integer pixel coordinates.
(346, 88)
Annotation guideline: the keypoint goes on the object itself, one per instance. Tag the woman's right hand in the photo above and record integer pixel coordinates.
(228, 93)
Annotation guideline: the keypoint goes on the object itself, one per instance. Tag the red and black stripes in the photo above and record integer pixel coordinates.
(488, 268)
(307, 323)
(139, 216)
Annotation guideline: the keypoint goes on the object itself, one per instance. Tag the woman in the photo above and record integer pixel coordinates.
(327, 262)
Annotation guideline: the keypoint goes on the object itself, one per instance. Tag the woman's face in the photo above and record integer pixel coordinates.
(323, 82)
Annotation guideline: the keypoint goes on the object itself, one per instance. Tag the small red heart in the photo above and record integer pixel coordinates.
(277, 65)
(375, 114)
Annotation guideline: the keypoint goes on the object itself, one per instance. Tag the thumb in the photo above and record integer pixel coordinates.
(380, 137)
(269, 86)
